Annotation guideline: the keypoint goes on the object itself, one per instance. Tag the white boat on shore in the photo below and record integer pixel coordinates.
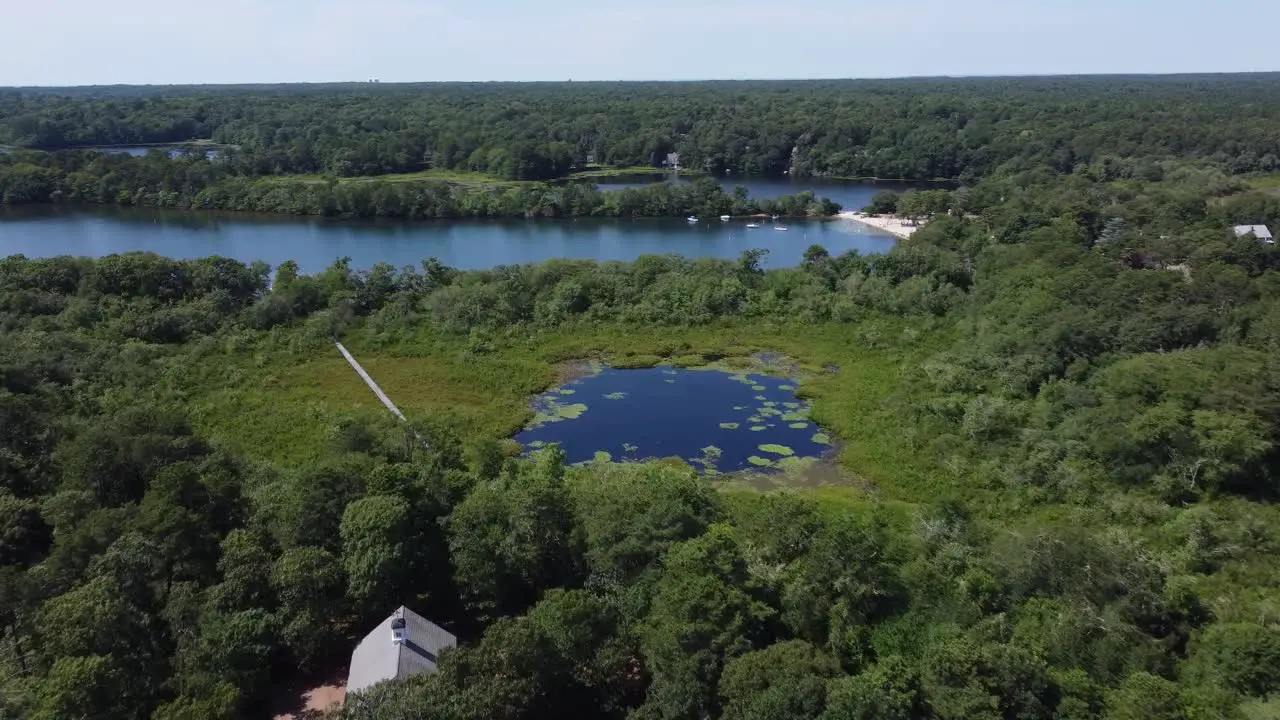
(724, 218)
(691, 219)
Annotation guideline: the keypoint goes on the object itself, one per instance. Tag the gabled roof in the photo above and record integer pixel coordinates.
(377, 658)
(1259, 231)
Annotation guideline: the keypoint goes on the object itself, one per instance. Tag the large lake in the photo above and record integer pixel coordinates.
(314, 243)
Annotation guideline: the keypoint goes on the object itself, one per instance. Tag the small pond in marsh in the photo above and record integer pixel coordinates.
(719, 421)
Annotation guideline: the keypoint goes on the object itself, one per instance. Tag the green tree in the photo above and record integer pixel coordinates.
(884, 202)
(514, 538)
(245, 567)
(1144, 697)
(888, 690)
(705, 610)
(221, 704)
(237, 649)
(376, 546)
(785, 680)
(309, 583)
(82, 687)
(1243, 657)
(842, 581)
(631, 515)
(24, 535)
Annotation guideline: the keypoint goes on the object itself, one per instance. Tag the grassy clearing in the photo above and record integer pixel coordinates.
(284, 410)
(1265, 182)
(604, 171)
(452, 177)
(455, 177)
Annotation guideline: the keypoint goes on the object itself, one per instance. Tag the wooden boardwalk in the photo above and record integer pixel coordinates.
(369, 381)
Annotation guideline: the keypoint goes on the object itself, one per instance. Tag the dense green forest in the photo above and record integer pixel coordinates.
(913, 129)
(1057, 409)
(489, 150)
(193, 182)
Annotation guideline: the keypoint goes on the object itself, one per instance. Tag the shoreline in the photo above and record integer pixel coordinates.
(273, 216)
(895, 226)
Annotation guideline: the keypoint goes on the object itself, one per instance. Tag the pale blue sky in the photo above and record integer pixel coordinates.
(75, 42)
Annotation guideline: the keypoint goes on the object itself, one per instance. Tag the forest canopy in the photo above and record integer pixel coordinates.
(1057, 407)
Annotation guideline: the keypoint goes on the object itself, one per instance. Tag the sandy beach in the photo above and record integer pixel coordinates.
(893, 225)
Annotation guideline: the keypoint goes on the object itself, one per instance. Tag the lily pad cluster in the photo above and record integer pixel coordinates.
(780, 433)
(552, 407)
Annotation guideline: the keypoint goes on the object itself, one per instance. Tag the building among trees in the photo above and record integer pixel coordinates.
(1259, 231)
(404, 644)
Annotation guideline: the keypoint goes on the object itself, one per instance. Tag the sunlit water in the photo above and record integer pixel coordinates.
(314, 243)
(718, 421)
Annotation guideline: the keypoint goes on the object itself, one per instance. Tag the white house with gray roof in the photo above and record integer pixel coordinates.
(404, 644)
(1259, 231)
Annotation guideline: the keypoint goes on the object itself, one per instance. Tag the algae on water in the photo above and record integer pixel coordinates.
(781, 418)
(571, 412)
(795, 465)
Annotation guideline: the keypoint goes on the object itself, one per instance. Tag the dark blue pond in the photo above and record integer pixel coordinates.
(718, 421)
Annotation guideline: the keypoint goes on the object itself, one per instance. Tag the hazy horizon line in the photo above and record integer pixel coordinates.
(655, 81)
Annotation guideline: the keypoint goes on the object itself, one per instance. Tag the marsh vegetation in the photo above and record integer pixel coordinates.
(1054, 411)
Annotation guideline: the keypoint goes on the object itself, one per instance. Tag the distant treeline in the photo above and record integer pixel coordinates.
(912, 129)
(192, 182)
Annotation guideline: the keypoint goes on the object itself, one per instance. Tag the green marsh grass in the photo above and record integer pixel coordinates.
(282, 408)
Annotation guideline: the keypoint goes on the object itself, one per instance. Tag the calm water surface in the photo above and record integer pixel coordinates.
(172, 151)
(851, 194)
(718, 421)
(314, 243)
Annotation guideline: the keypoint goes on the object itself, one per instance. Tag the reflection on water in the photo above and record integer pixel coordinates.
(141, 150)
(851, 194)
(718, 421)
(314, 243)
